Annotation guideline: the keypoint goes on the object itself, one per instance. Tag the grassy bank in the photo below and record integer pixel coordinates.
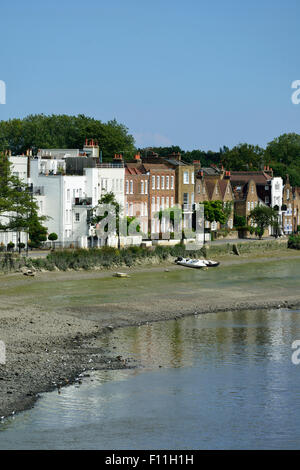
(107, 257)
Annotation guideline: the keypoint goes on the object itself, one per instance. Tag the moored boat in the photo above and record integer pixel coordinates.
(196, 263)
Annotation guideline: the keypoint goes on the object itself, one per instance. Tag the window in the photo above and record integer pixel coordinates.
(157, 203)
(162, 182)
(127, 187)
(142, 187)
(157, 182)
(185, 198)
(145, 208)
(68, 195)
(267, 199)
(167, 182)
(131, 187)
(252, 188)
(172, 201)
(80, 192)
(248, 205)
(192, 177)
(252, 205)
(186, 177)
(288, 194)
(153, 182)
(162, 202)
(127, 213)
(131, 209)
(172, 182)
(146, 187)
(167, 202)
(77, 216)
(153, 204)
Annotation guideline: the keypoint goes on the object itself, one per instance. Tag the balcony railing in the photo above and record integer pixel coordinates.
(110, 165)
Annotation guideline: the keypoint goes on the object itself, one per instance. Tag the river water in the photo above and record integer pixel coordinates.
(216, 381)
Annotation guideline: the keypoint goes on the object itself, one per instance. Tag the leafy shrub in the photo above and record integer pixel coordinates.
(294, 242)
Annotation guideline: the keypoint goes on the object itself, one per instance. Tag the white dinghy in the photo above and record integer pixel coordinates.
(196, 263)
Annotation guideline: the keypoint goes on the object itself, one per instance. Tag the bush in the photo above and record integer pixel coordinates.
(239, 221)
(294, 242)
(10, 246)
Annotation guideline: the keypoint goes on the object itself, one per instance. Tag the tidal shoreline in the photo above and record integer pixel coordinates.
(50, 347)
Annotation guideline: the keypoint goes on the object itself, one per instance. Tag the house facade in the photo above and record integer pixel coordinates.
(290, 208)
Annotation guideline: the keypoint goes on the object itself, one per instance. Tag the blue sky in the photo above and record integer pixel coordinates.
(194, 73)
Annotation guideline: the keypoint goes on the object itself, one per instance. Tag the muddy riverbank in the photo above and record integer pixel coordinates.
(52, 324)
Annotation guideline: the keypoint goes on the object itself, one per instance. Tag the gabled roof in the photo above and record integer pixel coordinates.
(223, 186)
(210, 187)
(134, 168)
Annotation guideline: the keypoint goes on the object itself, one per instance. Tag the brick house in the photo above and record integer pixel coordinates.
(213, 184)
(262, 180)
(290, 208)
(245, 200)
(137, 192)
(161, 192)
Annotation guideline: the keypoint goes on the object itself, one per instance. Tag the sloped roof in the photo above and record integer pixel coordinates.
(223, 186)
(210, 171)
(134, 168)
(259, 177)
(210, 186)
(156, 166)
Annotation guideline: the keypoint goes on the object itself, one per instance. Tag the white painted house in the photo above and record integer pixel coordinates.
(68, 199)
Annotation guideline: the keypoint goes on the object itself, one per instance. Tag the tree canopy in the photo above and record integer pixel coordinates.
(18, 209)
(62, 131)
(263, 217)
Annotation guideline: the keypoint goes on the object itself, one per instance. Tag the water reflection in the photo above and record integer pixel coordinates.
(226, 381)
(219, 337)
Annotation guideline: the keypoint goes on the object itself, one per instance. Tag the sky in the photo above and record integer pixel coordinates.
(194, 73)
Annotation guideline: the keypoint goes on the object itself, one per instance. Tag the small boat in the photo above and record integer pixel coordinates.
(29, 273)
(121, 275)
(196, 263)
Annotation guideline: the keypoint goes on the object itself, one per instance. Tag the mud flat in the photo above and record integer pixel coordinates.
(53, 324)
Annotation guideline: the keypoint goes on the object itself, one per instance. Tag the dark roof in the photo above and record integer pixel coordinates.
(176, 162)
(259, 177)
(210, 171)
(210, 186)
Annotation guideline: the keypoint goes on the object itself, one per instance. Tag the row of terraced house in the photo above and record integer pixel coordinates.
(68, 183)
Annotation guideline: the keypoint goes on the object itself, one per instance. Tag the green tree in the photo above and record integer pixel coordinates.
(263, 217)
(112, 212)
(243, 157)
(283, 155)
(53, 237)
(18, 209)
(214, 212)
(62, 131)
